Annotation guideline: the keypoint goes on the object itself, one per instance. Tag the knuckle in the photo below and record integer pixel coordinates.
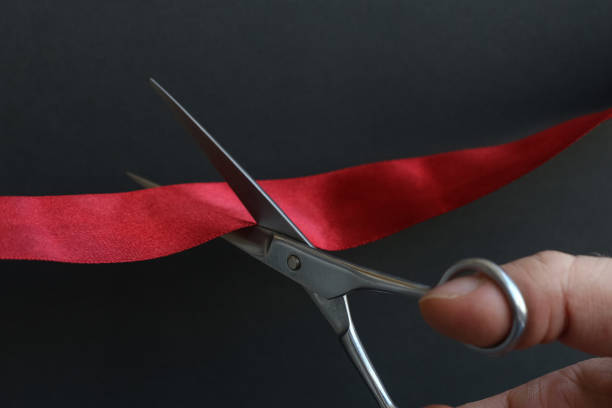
(588, 383)
(556, 389)
(595, 375)
(550, 259)
(544, 278)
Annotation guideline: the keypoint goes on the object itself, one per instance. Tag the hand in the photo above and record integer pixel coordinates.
(569, 299)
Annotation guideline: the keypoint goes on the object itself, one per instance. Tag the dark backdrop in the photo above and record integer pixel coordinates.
(291, 88)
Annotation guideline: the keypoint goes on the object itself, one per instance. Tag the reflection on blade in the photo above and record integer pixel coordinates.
(143, 182)
(254, 240)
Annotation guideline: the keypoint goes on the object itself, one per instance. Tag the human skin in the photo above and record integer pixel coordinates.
(569, 299)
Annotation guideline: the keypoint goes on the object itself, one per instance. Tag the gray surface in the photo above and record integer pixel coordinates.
(290, 88)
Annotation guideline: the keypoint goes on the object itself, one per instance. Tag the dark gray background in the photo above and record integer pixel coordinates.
(291, 88)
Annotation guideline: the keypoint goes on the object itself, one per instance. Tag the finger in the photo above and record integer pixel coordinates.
(568, 299)
(587, 384)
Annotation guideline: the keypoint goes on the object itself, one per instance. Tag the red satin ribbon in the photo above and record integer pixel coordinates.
(335, 210)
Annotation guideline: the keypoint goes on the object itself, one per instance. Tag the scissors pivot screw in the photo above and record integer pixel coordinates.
(293, 262)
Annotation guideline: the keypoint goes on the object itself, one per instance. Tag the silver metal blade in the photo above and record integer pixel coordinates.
(259, 204)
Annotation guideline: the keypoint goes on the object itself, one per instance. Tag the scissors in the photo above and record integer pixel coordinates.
(278, 242)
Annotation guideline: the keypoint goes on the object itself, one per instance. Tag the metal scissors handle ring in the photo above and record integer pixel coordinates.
(512, 293)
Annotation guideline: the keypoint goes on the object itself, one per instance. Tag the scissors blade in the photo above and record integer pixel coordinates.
(259, 204)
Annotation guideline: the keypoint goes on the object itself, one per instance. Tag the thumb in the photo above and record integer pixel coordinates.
(568, 298)
(587, 384)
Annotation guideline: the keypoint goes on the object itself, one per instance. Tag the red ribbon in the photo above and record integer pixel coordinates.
(335, 210)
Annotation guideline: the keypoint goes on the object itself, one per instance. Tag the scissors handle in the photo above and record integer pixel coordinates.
(329, 280)
(337, 312)
(508, 287)
(331, 277)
